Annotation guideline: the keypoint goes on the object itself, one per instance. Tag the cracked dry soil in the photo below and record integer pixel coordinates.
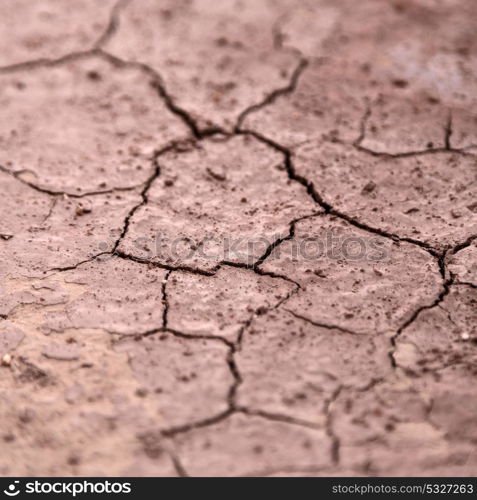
(130, 126)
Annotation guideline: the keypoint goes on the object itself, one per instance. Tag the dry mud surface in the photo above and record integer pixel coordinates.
(238, 237)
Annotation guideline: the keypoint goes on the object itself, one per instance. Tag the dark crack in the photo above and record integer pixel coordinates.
(206, 422)
(446, 286)
(74, 266)
(259, 312)
(165, 301)
(463, 245)
(178, 466)
(232, 407)
(257, 270)
(449, 280)
(409, 154)
(237, 378)
(335, 441)
(446, 148)
(329, 209)
(273, 96)
(113, 25)
(144, 193)
(325, 325)
(448, 133)
(279, 241)
(186, 269)
(157, 83)
(277, 417)
(465, 283)
(230, 360)
(46, 62)
(17, 175)
(50, 211)
(190, 336)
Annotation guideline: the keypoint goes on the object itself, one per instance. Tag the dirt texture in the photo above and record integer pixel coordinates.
(238, 238)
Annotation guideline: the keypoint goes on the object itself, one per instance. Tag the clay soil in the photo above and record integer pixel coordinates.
(238, 238)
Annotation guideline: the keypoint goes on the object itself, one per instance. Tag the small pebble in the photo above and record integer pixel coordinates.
(6, 360)
(141, 392)
(82, 210)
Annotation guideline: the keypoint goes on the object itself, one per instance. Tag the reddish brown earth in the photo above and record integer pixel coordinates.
(238, 237)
